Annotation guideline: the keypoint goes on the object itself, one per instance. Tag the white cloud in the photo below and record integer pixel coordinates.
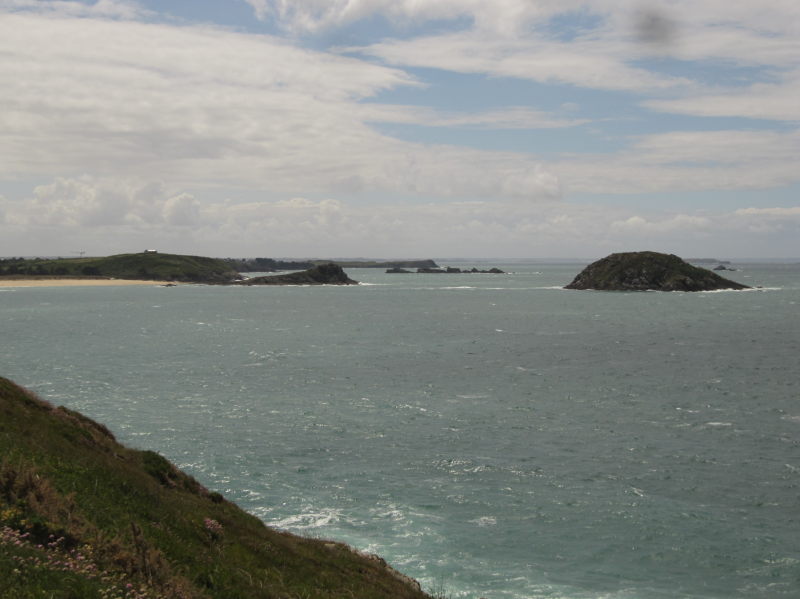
(200, 106)
(117, 216)
(95, 203)
(260, 8)
(774, 101)
(182, 210)
(515, 39)
(587, 63)
(688, 160)
(514, 117)
(791, 211)
(115, 9)
(678, 222)
(774, 222)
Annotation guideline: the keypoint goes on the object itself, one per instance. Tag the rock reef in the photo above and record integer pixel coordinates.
(644, 271)
(322, 274)
(446, 270)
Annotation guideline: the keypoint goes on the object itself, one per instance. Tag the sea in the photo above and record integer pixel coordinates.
(492, 436)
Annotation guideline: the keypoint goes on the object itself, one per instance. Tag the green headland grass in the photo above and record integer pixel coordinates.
(83, 516)
(146, 266)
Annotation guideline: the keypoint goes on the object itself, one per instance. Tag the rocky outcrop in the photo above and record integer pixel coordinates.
(323, 274)
(642, 271)
(453, 269)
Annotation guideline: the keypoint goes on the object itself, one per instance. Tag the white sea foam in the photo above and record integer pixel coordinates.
(484, 521)
(308, 520)
(740, 290)
(410, 407)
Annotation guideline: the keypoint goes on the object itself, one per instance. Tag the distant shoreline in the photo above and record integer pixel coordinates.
(35, 281)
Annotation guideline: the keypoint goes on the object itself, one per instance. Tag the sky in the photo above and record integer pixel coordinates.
(400, 128)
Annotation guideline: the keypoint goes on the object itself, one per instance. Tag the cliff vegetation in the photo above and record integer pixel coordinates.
(146, 266)
(83, 516)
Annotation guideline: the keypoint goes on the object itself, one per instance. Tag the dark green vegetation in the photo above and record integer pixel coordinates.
(641, 271)
(82, 516)
(323, 274)
(146, 266)
(272, 265)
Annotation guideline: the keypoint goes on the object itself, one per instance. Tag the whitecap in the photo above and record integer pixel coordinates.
(739, 290)
(410, 407)
(308, 520)
(484, 521)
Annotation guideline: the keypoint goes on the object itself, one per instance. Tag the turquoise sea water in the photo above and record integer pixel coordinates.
(490, 435)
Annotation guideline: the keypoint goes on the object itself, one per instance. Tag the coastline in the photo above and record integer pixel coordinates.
(64, 282)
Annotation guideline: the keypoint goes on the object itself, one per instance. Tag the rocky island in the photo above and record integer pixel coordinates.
(643, 271)
(322, 274)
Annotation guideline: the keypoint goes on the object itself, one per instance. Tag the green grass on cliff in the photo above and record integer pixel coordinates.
(147, 266)
(83, 516)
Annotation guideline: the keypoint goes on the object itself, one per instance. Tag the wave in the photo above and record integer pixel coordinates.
(752, 289)
(308, 520)
(484, 521)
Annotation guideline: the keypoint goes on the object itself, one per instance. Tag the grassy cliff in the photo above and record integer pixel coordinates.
(147, 266)
(83, 516)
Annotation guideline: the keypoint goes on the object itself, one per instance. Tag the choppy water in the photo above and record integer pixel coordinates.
(491, 435)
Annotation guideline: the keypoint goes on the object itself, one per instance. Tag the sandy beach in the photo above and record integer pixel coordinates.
(44, 282)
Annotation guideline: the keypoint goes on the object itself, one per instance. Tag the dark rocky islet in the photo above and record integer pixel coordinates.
(646, 271)
(322, 274)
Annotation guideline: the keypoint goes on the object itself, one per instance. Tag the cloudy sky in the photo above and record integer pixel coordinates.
(400, 128)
